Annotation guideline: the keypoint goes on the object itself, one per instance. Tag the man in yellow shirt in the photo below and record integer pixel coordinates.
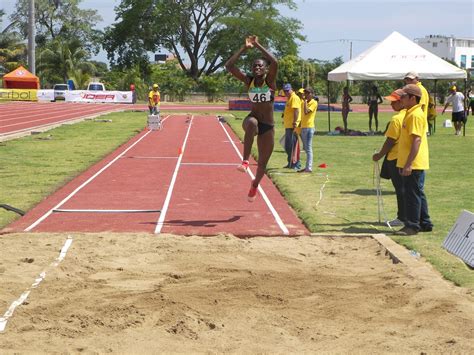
(309, 107)
(154, 100)
(390, 150)
(413, 78)
(291, 121)
(413, 160)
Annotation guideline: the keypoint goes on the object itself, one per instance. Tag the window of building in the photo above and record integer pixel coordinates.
(435, 44)
(472, 61)
(463, 61)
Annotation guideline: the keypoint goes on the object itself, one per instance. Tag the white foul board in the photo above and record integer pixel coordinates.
(460, 240)
(154, 122)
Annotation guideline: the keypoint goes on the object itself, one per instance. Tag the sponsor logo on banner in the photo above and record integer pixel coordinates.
(18, 95)
(101, 96)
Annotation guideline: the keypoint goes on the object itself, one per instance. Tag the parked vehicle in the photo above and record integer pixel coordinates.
(96, 87)
(60, 91)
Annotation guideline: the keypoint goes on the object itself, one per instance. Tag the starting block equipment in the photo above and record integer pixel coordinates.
(154, 122)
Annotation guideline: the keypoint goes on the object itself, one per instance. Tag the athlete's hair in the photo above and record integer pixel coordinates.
(263, 60)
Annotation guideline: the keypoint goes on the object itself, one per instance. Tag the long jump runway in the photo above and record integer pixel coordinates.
(179, 180)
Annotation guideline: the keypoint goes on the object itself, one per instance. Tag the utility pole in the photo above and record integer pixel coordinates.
(31, 37)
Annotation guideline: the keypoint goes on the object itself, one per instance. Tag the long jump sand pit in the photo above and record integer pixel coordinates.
(140, 293)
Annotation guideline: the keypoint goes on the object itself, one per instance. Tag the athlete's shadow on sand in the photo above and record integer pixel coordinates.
(201, 223)
(367, 192)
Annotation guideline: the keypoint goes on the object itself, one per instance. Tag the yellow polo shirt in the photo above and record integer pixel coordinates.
(425, 99)
(154, 98)
(292, 103)
(414, 124)
(307, 119)
(393, 131)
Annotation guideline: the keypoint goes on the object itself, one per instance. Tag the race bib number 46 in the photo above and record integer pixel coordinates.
(260, 95)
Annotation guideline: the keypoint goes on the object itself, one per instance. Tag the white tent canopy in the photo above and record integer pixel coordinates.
(391, 59)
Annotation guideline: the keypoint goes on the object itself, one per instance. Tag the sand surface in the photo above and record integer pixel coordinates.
(139, 293)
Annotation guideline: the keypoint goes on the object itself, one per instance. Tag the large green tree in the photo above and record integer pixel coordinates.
(200, 34)
(60, 19)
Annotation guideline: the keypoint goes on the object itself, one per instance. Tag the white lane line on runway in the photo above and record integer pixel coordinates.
(9, 313)
(47, 214)
(260, 189)
(164, 209)
(211, 164)
(139, 157)
(103, 211)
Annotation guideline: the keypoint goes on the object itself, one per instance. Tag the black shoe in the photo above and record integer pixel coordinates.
(428, 228)
(406, 231)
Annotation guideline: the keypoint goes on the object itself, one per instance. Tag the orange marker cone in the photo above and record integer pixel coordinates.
(180, 151)
(323, 166)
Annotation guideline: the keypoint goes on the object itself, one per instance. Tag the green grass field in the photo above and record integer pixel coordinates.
(337, 200)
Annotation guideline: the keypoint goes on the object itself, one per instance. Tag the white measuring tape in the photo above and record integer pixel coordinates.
(38, 280)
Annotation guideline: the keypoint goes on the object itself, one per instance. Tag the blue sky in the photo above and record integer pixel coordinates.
(331, 25)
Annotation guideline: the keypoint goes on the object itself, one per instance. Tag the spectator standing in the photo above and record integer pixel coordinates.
(309, 108)
(413, 161)
(470, 96)
(291, 121)
(346, 100)
(431, 115)
(390, 150)
(458, 117)
(373, 102)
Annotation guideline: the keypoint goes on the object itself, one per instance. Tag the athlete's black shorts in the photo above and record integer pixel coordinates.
(263, 127)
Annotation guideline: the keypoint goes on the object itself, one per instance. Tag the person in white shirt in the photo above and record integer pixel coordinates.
(456, 99)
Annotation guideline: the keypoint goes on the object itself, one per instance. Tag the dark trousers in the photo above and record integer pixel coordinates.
(416, 205)
(290, 145)
(398, 186)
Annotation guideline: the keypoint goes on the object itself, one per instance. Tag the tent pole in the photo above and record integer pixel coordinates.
(435, 93)
(329, 110)
(465, 105)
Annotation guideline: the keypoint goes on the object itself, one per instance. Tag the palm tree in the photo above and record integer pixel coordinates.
(12, 50)
(62, 60)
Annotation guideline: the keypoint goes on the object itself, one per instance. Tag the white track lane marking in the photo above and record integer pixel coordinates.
(104, 211)
(41, 277)
(164, 209)
(260, 189)
(47, 214)
(210, 164)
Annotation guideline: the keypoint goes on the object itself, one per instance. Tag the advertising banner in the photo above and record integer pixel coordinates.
(18, 95)
(99, 96)
(45, 95)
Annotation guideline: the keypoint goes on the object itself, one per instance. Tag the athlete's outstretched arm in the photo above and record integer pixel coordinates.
(230, 64)
(273, 63)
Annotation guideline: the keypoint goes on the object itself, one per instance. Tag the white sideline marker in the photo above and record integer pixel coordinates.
(9, 313)
(260, 189)
(164, 210)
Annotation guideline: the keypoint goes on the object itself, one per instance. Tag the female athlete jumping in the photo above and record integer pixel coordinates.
(261, 87)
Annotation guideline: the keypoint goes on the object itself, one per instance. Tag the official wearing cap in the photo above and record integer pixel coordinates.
(413, 160)
(412, 77)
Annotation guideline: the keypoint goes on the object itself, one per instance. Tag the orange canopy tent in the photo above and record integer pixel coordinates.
(20, 78)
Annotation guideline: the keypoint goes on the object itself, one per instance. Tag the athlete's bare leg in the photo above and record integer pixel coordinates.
(250, 126)
(265, 144)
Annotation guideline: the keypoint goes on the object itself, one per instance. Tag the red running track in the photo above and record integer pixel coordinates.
(187, 171)
(23, 117)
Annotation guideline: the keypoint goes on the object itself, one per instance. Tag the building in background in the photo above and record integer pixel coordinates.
(457, 49)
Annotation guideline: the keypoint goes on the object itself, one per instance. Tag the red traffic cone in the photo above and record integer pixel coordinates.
(322, 166)
(180, 151)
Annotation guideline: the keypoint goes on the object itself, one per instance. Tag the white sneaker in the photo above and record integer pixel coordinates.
(395, 223)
